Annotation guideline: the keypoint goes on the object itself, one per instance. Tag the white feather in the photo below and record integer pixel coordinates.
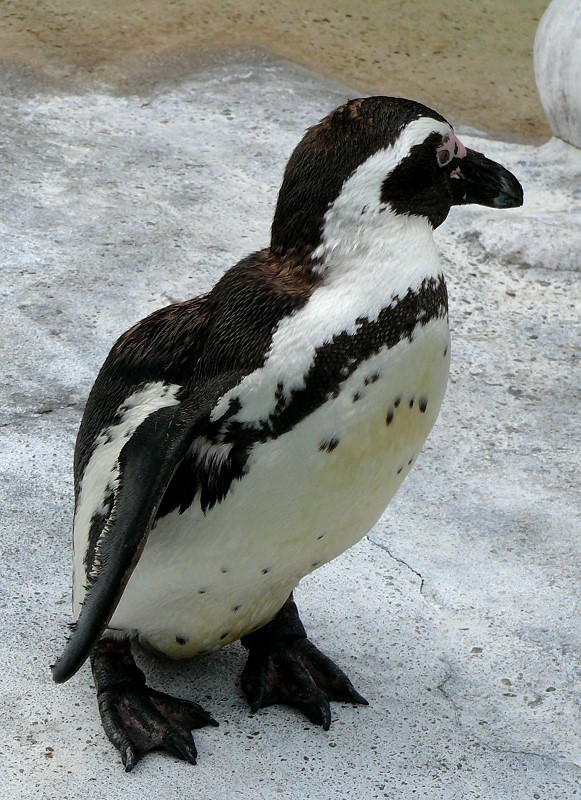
(364, 284)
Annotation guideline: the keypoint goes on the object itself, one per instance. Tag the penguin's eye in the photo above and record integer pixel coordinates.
(450, 148)
(446, 151)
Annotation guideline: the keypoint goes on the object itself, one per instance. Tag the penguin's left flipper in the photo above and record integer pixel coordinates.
(147, 463)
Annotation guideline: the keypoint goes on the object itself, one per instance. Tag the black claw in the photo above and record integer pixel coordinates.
(353, 696)
(326, 717)
(319, 714)
(181, 747)
(328, 676)
(181, 713)
(129, 758)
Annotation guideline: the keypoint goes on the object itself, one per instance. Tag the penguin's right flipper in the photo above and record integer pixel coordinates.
(147, 463)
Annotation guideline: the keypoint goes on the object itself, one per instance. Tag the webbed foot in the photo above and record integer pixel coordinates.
(136, 718)
(285, 667)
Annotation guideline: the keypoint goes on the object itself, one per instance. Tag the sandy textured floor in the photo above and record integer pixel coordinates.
(471, 60)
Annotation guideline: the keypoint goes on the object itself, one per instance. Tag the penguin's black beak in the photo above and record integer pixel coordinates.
(477, 179)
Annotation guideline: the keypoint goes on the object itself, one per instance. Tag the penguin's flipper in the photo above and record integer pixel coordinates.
(147, 463)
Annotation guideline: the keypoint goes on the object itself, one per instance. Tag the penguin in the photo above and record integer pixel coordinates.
(237, 441)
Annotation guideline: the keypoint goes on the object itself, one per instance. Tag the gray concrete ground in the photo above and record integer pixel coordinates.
(458, 616)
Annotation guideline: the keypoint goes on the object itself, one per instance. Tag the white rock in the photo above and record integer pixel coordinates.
(557, 59)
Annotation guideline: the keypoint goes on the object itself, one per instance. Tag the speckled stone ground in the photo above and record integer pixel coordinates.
(457, 617)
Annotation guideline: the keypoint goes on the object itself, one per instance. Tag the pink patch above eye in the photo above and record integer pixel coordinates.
(450, 148)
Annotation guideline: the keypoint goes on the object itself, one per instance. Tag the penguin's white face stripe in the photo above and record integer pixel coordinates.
(365, 183)
(101, 475)
(358, 218)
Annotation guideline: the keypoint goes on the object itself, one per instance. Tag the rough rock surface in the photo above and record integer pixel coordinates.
(557, 59)
(458, 617)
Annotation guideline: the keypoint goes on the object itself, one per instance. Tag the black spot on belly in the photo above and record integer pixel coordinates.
(389, 417)
(423, 404)
(445, 351)
(265, 570)
(224, 635)
(397, 401)
(356, 397)
(410, 461)
(201, 591)
(320, 536)
(399, 470)
(236, 608)
(412, 402)
(329, 444)
(181, 640)
(223, 570)
(375, 376)
(315, 563)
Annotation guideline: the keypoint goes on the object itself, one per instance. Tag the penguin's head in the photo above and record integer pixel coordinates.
(381, 156)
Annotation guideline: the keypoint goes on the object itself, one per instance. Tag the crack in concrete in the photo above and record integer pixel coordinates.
(456, 708)
(400, 561)
(558, 761)
(487, 745)
(54, 409)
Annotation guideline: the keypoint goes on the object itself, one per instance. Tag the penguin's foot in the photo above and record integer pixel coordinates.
(296, 674)
(136, 718)
(285, 667)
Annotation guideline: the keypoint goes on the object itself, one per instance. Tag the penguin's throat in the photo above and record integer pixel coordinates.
(388, 249)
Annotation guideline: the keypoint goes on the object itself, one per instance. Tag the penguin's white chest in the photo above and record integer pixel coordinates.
(206, 580)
